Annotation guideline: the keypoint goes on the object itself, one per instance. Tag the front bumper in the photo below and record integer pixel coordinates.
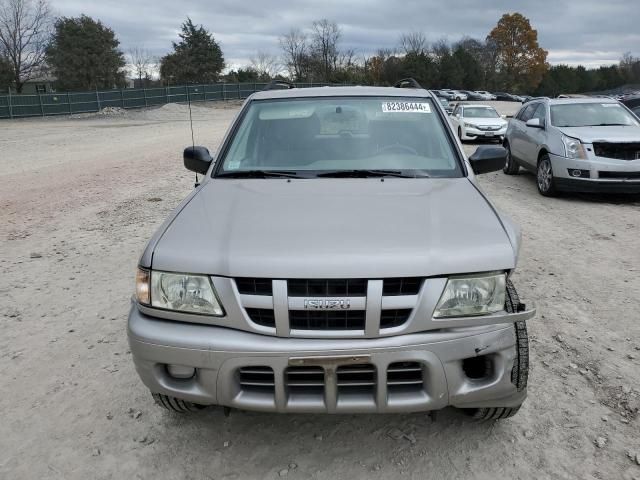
(594, 171)
(218, 354)
(469, 133)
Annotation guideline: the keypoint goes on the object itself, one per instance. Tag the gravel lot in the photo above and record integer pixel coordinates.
(81, 196)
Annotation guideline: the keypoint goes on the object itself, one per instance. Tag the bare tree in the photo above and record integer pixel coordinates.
(414, 42)
(142, 62)
(324, 46)
(25, 28)
(294, 46)
(265, 64)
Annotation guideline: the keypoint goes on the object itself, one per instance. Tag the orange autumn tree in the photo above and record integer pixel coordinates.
(521, 61)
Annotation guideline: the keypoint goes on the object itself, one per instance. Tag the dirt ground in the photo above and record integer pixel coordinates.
(80, 197)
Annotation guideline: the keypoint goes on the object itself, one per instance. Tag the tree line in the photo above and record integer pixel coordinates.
(82, 53)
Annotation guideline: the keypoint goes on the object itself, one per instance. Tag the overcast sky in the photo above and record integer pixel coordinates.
(588, 32)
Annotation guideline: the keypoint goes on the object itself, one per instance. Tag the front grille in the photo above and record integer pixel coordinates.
(620, 175)
(257, 379)
(262, 316)
(327, 288)
(619, 151)
(356, 379)
(327, 320)
(254, 286)
(404, 377)
(394, 318)
(328, 305)
(308, 380)
(401, 286)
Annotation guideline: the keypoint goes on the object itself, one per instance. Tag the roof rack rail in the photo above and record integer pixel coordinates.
(274, 84)
(407, 83)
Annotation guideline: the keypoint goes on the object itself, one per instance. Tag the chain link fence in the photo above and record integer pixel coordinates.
(44, 104)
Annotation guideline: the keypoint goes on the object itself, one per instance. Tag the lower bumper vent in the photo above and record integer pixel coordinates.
(356, 379)
(404, 377)
(257, 379)
(305, 380)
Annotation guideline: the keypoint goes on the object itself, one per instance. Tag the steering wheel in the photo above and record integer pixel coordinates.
(397, 146)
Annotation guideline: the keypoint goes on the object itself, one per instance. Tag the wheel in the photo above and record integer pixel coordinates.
(510, 166)
(520, 370)
(174, 404)
(546, 185)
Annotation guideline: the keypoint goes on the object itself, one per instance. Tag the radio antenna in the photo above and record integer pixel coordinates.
(193, 141)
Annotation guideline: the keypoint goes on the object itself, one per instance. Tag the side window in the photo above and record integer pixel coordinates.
(540, 112)
(527, 113)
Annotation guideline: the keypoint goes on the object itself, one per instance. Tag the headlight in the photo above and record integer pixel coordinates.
(474, 295)
(470, 125)
(181, 292)
(574, 148)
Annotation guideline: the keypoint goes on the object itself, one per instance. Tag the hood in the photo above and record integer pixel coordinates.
(603, 134)
(335, 228)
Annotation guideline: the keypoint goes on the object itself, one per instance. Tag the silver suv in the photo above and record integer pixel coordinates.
(581, 145)
(338, 257)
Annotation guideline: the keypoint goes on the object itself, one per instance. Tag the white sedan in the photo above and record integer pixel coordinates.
(486, 95)
(474, 122)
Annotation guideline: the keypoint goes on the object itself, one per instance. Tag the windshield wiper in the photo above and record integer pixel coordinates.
(368, 174)
(259, 174)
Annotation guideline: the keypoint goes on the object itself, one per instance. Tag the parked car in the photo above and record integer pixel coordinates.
(473, 95)
(506, 97)
(633, 104)
(446, 105)
(444, 94)
(475, 122)
(318, 266)
(584, 145)
(458, 96)
(486, 95)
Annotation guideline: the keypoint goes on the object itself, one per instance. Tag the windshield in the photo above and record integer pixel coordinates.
(344, 136)
(480, 112)
(591, 115)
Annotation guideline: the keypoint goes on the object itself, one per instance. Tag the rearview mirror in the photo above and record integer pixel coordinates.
(535, 123)
(197, 159)
(488, 159)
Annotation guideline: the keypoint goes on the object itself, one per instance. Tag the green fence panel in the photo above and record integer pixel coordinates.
(83, 102)
(18, 106)
(54, 103)
(4, 106)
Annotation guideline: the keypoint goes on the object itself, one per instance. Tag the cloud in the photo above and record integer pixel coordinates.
(591, 32)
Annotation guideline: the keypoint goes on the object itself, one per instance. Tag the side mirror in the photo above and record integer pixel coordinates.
(503, 116)
(488, 159)
(197, 159)
(535, 123)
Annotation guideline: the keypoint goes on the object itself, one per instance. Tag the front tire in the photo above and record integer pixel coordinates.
(520, 370)
(174, 404)
(510, 166)
(544, 177)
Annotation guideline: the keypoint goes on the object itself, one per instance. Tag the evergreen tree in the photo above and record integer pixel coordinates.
(196, 58)
(83, 55)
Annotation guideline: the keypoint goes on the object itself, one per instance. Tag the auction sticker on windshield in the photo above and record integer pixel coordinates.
(405, 107)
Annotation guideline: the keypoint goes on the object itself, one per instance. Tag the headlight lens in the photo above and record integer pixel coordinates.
(574, 148)
(473, 295)
(181, 292)
(470, 125)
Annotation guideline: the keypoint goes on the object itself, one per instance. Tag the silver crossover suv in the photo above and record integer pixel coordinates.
(582, 145)
(338, 257)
